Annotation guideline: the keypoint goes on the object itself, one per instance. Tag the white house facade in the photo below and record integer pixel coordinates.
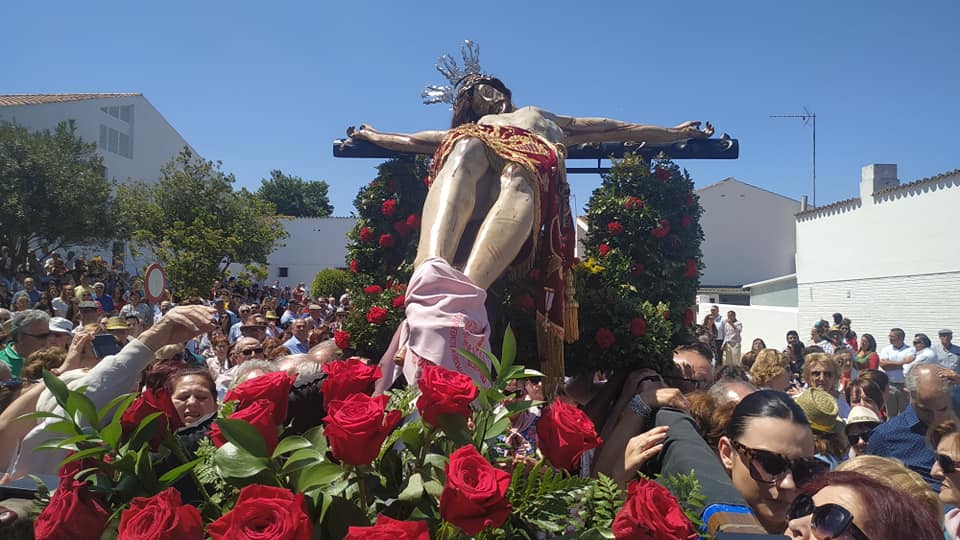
(314, 244)
(885, 259)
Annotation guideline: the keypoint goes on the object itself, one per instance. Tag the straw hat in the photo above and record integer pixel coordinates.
(116, 323)
(862, 415)
(821, 409)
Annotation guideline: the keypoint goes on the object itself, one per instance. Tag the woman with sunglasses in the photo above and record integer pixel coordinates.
(849, 505)
(945, 438)
(767, 448)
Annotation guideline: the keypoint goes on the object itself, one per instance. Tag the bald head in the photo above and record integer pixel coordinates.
(930, 387)
(730, 391)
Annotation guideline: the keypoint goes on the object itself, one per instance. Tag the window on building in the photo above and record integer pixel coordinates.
(284, 271)
(103, 136)
(120, 112)
(114, 141)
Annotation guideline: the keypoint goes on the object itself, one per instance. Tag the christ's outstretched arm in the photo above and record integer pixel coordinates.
(423, 142)
(596, 130)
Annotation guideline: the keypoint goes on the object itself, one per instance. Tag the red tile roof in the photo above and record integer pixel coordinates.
(7, 100)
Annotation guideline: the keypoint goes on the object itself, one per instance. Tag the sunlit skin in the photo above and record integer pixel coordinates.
(950, 487)
(769, 502)
(842, 496)
(192, 399)
(823, 378)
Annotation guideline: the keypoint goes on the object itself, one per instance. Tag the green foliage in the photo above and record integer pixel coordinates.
(686, 488)
(602, 502)
(546, 498)
(330, 282)
(642, 263)
(196, 225)
(54, 190)
(293, 196)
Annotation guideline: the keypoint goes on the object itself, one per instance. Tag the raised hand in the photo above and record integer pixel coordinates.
(179, 325)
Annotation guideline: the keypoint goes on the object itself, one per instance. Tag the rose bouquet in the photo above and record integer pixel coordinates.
(425, 462)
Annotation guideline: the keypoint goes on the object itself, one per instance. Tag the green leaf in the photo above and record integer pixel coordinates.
(318, 475)
(89, 452)
(79, 402)
(39, 415)
(70, 443)
(244, 436)
(145, 472)
(57, 388)
(340, 516)
(66, 426)
(494, 361)
(234, 462)
(413, 490)
(173, 475)
(111, 434)
(508, 353)
(433, 488)
(479, 364)
(289, 444)
(454, 427)
(436, 460)
(316, 437)
(121, 403)
(145, 431)
(498, 427)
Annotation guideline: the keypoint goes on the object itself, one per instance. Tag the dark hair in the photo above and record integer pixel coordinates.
(868, 388)
(899, 331)
(837, 318)
(764, 404)
(463, 105)
(730, 372)
(203, 373)
(698, 347)
(891, 514)
(748, 359)
(876, 376)
(812, 349)
(793, 333)
(923, 338)
(871, 343)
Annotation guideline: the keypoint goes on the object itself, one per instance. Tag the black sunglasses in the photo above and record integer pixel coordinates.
(695, 382)
(770, 468)
(853, 435)
(946, 463)
(828, 521)
(37, 336)
(249, 352)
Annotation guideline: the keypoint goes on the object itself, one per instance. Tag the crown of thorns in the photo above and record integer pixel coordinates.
(459, 78)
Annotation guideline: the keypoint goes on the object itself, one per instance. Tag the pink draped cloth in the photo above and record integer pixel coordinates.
(445, 313)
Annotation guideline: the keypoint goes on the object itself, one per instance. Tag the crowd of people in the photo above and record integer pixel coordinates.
(834, 439)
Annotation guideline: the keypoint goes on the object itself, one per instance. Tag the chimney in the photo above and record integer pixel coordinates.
(803, 203)
(876, 177)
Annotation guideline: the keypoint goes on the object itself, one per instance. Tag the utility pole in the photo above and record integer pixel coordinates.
(806, 117)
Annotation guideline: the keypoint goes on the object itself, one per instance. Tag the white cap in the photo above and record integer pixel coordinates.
(60, 325)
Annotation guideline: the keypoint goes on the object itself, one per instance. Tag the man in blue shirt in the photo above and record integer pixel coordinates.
(905, 436)
(106, 301)
(301, 331)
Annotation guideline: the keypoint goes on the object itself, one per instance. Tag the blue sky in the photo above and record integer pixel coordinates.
(262, 86)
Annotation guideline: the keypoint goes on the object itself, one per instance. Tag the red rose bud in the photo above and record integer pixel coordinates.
(474, 496)
(615, 228)
(661, 230)
(366, 234)
(356, 427)
(638, 327)
(443, 391)
(386, 241)
(525, 302)
(651, 511)
(147, 403)
(264, 512)
(691, 271)
(390, 529)
(605, 338)
(373, 289)
(402, 228)
(413, 221)
(354, 266)
(161, 517)
(348, 377)
(636, 270)
(564, 433)
(398, 302)
(260, 414)
(342, 339)
(273, 387)
(73, 513)
(388, 207)
(633, 203)
(662, 174)
(377, 315)
(603, 249)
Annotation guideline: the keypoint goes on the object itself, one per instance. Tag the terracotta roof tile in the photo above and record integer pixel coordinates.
(832, 206)
(7, 100)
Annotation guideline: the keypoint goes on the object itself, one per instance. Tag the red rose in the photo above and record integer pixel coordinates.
(72, 514)
(636, 270)
(443, 391)
(525, 302)
(401, 227)
(651, 512)
(662, 174)
(398, 302)
(356, 427)
(686, 221)
(377, 315)
(347, 377)
(161, 517)
(373, 289)
(691, 271)
(564, 433)
(605, 338)
(615, 228)
(342, 339)
(661, 230)
(354, 266)
(689, 317)
(413, 221)
(273, 387)
(633, 203)
(366, 234)
(386, 241)
(390, 529)
(388, 207)
(603, 249)
(259, 414)
(264, 512)
(71, 469)
(690, 200)
(474, 496)
(147, 403)
(638, 327)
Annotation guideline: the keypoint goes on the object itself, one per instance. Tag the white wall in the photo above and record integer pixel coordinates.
(884, 261)
(765, 322)
(155, 141)
(313, 245)
(749, 234)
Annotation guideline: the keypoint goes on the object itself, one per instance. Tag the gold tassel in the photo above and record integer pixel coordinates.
(550, 349)
(571, 309)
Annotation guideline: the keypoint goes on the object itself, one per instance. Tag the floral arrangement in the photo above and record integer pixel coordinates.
(426, 462)
(638, 280)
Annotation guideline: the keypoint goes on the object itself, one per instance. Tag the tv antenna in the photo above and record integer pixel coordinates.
(807, 116)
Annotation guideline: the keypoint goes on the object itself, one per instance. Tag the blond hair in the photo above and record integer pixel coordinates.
(769, 364)
(895, 474)
(813, 360)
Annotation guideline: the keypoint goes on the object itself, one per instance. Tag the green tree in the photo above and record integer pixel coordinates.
(53, 190)
(330, 282)
(294, 196)
(196, 225)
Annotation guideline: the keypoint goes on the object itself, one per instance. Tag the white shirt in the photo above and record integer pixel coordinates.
(718, 324)
(896, 375)
(731, 332)
(926, 356)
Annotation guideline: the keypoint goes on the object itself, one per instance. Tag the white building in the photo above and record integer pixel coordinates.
(314, 244)
(132, 136)
(885, 259)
